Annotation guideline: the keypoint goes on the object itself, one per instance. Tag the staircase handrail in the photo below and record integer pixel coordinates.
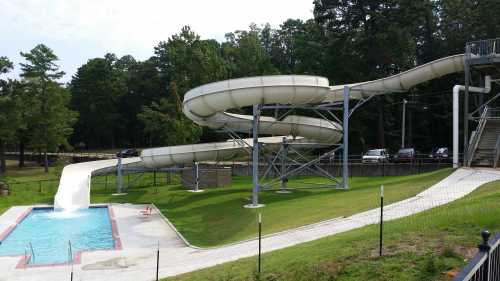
(477, 136)
(31, 257)
(497, 152)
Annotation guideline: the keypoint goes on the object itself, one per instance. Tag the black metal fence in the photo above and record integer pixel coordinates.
(358, 169)
(485, 265)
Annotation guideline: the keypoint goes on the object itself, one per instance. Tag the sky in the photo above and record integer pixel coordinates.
(78, 30)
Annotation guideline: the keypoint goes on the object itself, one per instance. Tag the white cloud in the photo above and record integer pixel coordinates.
(80, 29)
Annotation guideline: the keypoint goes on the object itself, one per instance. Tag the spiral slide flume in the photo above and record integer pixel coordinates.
(206, 105)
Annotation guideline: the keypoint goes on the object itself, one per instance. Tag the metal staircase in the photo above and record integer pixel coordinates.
(485, 142)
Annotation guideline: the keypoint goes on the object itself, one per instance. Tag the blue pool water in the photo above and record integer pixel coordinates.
(49, 231)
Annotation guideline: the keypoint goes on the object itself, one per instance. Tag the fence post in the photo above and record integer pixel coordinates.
(260, 243)
(381, 218)
(157, 260)
(485, 247)
(39, 186)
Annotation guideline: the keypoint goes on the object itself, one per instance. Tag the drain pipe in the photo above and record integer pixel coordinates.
(456, 91)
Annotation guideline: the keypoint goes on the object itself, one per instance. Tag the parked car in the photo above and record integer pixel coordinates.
(405, 155)
(126, 153)
(440, 153)
(376, 156)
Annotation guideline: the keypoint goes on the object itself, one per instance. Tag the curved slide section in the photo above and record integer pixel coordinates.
(403, 81)
(207, 105)
(74, 185)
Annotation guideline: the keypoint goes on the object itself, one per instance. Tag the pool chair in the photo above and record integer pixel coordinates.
(146, 212)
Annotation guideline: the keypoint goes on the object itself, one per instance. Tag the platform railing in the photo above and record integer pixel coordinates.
(485, 48)
(496, 154)
(476, 137)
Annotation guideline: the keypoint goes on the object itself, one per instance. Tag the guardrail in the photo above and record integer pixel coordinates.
(476, 137)
(497, 152)
(484, 48)
(485, 265)
(86, 155)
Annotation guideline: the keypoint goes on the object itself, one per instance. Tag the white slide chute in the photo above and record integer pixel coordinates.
(207, 105)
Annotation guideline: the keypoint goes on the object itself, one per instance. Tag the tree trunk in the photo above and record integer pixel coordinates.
(45, 162)
(3, 166)
(21, 154)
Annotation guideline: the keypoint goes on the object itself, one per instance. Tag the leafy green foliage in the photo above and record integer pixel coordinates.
(346, 41)
(163, 125)
(49, 121)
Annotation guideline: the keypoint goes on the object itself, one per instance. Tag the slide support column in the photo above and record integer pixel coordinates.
(255, 158)
(345, 145)
(119, 177)
(284, 155)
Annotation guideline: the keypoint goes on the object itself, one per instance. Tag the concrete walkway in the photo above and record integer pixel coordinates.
(137, 260)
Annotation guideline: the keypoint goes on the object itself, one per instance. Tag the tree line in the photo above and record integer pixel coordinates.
(115, 102)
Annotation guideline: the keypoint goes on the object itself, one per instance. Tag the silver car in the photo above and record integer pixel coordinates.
(376, 156)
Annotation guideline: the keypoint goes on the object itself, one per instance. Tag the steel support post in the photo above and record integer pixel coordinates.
(196, 178)
(345, 145)
(284, 178)
(255, 158)
(119, 177)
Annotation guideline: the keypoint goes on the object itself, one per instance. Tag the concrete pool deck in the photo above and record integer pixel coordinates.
(139, 236)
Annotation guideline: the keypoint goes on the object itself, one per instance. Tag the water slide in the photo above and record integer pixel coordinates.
(207, 105)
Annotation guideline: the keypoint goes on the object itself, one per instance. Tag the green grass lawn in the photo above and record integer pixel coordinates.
(29, 185)
(217, 216)
(431, 245)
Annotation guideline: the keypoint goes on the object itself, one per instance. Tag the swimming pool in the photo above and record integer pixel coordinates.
(47, 234)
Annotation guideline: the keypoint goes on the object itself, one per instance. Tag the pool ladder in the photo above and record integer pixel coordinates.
(31, 257)
(70, 253)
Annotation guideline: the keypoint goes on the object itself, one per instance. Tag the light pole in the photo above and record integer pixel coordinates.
(403, 125)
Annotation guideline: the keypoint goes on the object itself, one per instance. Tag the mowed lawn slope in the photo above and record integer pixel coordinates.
(217, 216)
(432, 245)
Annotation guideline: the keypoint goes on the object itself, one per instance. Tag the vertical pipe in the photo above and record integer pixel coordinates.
(403, 125)
(456, 90)
(466, 104)
(345, 145)
(255, 155)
